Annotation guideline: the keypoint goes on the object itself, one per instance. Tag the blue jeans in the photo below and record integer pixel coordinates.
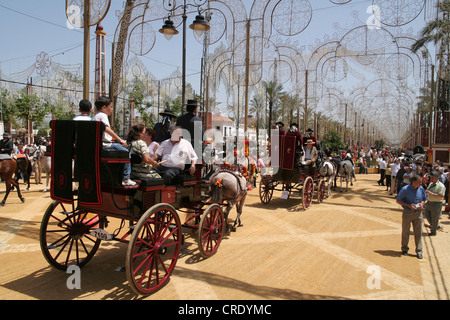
(127, 166)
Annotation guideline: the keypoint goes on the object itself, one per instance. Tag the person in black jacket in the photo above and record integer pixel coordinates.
(162, 128)
(6, 145)
(193, 124)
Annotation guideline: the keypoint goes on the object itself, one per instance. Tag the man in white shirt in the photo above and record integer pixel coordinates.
(395, 167)
(173, 153)
(382, 165)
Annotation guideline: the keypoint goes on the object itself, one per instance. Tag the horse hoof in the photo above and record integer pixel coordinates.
(2, 204)
(22, 199)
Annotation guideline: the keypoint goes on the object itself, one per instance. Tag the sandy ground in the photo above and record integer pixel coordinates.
(348, 247)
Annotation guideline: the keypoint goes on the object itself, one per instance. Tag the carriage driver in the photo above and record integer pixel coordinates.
(311, 154)
(6, 145)
(173, 153)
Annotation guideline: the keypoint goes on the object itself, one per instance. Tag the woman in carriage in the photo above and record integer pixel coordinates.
(144, 169)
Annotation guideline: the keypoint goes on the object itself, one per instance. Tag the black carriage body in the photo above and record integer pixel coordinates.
(106, 170)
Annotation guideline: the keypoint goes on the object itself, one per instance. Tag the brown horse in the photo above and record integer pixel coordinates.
(8, 168)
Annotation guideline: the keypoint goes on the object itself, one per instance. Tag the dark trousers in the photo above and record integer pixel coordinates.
(432, 213)
(388, 182)
(382, 172)
(168, 173)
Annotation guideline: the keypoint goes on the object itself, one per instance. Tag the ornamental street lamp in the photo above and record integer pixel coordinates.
(200, 25)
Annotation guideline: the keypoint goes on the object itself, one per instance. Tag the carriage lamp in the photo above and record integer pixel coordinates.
(168, 30)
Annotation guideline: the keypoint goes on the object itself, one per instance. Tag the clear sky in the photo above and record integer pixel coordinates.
(29, 27)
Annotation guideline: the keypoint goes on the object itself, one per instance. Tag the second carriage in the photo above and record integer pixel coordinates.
(292, 178)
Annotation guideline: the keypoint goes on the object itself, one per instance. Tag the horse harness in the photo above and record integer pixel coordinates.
(237, 175)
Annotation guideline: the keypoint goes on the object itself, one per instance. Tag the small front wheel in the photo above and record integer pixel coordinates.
(265, 189)
(211, 228)
(321, 191)
(308, 191)
(153, 249)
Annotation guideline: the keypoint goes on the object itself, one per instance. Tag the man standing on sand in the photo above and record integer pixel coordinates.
(433, 209)
(412, 198)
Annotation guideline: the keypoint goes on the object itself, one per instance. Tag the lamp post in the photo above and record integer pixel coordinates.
(200, 25)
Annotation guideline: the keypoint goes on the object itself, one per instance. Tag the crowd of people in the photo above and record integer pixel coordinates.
(420, 187)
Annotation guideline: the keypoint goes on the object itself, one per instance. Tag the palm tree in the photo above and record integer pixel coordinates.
(256, 106)
(289, 104)
(436, 30)
(273, 94)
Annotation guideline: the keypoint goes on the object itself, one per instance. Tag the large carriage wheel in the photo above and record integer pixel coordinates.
(65, 235)
(153, 249)
(308, 192)
(321, 191)
(211, 228)
(265, 189)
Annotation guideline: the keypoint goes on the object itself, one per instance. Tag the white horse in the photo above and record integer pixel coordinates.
(41, 163)
(346, 172)
(328, 170)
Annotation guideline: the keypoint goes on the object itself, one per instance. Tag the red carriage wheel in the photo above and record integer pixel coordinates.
(65, 236)
(153, 249)
(265, 189)
(308, 192)
(321, 191)
(211, 228)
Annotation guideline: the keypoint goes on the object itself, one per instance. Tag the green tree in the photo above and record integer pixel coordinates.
(28, 107)
(273, 94)
(333, 140)
(380, 143)
(436, 30)
(7, 106)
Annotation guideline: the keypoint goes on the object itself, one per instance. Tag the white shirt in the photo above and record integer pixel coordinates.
(177, 154)
(382, 164)
(107, 139)
(82, 118)
(395, 167)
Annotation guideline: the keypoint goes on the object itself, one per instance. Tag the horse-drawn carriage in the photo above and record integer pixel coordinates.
(75, 223)
(291, 177)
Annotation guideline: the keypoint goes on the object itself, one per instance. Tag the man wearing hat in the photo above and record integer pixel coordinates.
(311, 154)
(162, 128)
(308, 136)
(435, 193)
(6, 145)
(280, 125)
(193, 124)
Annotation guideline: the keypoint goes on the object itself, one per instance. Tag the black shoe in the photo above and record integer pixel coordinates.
(405, 253)
(432, 234)
(419, 255)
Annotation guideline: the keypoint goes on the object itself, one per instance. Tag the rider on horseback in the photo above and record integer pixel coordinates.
(6, 145)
